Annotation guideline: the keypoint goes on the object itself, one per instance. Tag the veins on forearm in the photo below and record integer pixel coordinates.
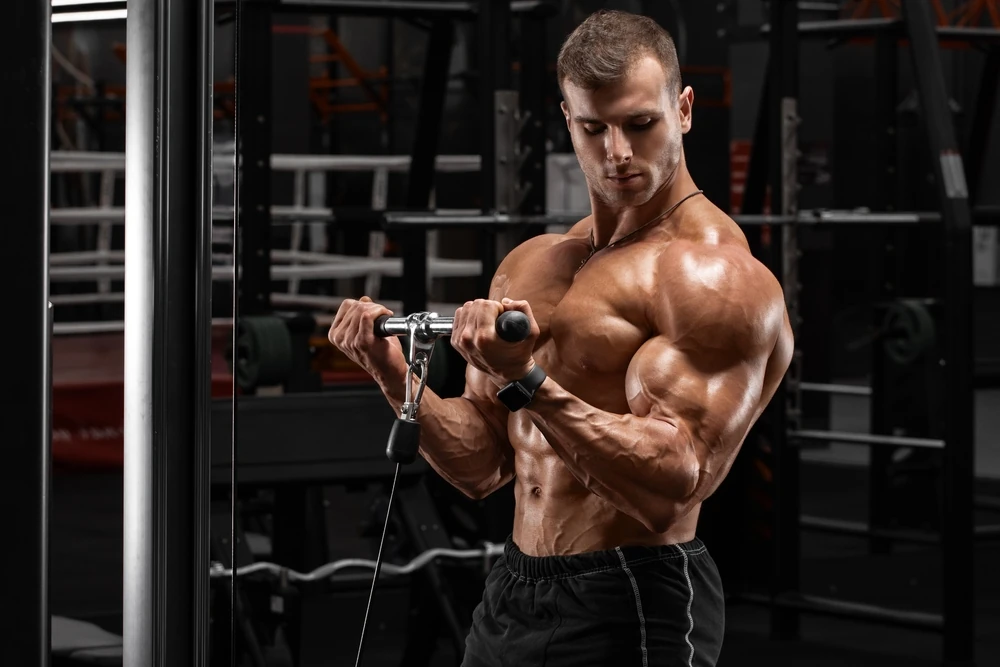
(457, 440)
(643, 466)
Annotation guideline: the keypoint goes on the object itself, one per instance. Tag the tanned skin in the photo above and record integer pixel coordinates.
(661, 352)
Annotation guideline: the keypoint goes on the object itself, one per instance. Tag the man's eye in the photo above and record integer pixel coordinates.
(593, 129)
(644, 125)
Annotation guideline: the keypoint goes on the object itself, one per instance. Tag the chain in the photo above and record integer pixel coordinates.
(661, 216)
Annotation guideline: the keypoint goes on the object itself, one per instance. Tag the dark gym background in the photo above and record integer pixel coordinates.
(329, 82)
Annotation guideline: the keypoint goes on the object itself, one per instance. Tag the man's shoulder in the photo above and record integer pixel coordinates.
(530, 249)
(718, 256)
(721, 288)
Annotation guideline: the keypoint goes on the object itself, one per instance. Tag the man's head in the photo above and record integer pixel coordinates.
(624, 106)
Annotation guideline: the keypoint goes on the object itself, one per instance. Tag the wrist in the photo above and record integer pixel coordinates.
(518, 393)
(514, 376)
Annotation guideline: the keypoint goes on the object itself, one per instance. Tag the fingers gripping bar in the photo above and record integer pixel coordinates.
(512, 326)
(423, 329)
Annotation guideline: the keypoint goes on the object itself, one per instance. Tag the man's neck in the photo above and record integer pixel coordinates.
(612, 223)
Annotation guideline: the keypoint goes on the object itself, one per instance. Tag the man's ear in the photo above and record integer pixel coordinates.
(685, 104)
(565, 110)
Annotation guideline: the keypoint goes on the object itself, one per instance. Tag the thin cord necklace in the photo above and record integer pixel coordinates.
(661, 216)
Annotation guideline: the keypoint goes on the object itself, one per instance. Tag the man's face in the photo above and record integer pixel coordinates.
(628, 136)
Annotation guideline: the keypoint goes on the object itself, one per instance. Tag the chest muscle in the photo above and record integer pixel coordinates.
(591, 325)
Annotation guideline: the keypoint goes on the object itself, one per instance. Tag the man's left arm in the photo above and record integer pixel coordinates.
(663, 458)
(693, 398)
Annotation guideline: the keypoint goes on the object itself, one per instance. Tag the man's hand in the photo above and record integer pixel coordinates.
(353, 333)
(475, 337)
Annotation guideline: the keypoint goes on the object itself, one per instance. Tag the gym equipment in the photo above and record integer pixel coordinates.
(865, 439)
(909, 331)
(263, 355)
(773, 162)
(422, 330)
(486, 554)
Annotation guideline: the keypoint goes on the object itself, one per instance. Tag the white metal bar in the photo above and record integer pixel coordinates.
(866, 439)
(333, 303)
(94, 161)
(286, 300)
(80, 328)
(846, 389)
(84, 328)
(81, 299)
(104, 228)
(87, 216)
(377, 239)
(93, 15)
(116, 215)
(389, 266)
(399, 163)
(304, 256)
(85, 257)
(295, 242)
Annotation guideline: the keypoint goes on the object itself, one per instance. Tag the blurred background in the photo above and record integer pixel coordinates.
(399, 150)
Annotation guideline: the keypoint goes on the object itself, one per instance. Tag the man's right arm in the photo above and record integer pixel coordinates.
(464, 439)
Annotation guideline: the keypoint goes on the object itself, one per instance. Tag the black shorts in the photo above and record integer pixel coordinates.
(626, 606)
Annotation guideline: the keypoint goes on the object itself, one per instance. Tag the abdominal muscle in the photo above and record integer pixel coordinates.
(555, 515)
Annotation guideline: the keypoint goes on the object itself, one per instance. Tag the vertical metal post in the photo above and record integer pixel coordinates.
(488, 34)
(755, 186)
(982, 120)
(203, 285)
(423, 160)
(533, 84)
(25, 39)
(165, 593)
(959, 451)
(886, 87)
(493, 33)
(253, 148)
(783, 79)
(884, 267)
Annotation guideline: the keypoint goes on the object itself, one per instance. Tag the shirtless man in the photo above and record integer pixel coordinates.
(657, 340)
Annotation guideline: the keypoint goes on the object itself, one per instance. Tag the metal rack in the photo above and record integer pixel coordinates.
(774, 164)
(513, 142)
(511, 131)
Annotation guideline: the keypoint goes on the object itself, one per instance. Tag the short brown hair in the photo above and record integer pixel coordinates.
(607, 45)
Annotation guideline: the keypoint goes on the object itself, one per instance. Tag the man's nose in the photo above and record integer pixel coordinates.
(618, 146)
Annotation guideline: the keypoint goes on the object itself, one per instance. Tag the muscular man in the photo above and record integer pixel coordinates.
(658, 340)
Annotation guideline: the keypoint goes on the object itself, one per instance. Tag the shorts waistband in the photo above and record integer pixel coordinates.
(547, 567)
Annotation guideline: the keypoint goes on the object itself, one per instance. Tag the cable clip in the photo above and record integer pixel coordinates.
(420, 344)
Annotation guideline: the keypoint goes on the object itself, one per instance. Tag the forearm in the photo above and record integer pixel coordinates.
(645, 467)
(456, 439)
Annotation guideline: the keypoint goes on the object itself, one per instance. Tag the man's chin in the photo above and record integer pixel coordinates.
(627, 197)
